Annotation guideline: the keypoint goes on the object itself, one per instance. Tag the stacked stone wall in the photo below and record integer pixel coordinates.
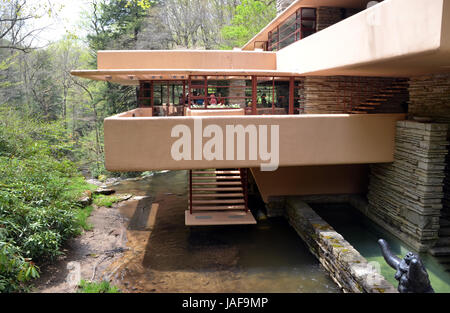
(406, 196)
(327, 16)
(346, 266)
(338, 94)
(430, 97)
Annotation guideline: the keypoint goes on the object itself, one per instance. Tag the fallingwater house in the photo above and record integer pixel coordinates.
(360, 93)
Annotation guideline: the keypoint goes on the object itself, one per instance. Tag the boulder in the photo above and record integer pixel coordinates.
(86, 198)
(104, 191)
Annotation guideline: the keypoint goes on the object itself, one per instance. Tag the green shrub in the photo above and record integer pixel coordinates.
(107, 201)
(39, 191)
(94, 287)
(81, 216)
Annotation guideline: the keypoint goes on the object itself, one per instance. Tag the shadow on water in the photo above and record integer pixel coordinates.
(267, 257)
(363, 235)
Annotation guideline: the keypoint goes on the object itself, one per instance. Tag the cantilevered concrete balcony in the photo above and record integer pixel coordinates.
(398, 38)
(137, 141)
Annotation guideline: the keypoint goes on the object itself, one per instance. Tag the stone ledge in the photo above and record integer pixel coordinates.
(346, 266)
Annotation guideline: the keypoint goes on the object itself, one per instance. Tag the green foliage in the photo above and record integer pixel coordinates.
(77, 187)
(94, 287)
(117, 22)
(249, 18)
(39, 189)
(81, 216)
(106, 201)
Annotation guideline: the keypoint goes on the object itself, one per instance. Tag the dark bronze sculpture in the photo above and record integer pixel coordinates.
(411, 274)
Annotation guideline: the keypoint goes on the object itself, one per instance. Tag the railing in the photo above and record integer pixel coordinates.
(190, 191)
(244, 181)
(243, 173)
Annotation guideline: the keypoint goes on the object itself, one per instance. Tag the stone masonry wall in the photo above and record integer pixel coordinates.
(405, 196)
(337, 94)
(327, 16)
(430, 96)
(346, 266)
(237, 90)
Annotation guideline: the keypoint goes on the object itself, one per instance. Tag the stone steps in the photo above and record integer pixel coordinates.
(408, 193)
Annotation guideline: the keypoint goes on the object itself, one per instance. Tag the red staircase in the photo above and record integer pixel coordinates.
(218, 197)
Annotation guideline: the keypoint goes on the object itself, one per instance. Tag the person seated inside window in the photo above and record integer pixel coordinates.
(220, 99)
(181, 99)
(212, 99)
(263, 100)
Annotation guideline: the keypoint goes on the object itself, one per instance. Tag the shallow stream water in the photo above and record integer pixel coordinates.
(171, 257)
(363, 235)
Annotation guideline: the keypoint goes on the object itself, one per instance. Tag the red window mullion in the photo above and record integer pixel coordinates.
(273, 95)
(190, 91)
(205, 94)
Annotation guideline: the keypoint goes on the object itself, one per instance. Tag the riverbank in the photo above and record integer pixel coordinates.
(86, 256)
(157, 253)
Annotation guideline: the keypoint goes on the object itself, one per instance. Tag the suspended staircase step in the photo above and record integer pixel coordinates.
(217, 195)
(219, 218)
(218, 189)
(218, 201)
(219, 183)
(215, 177)
(218, 208)
(216, 172)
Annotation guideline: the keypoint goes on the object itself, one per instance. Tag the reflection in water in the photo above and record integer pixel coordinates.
(268, 257)
(363, 234)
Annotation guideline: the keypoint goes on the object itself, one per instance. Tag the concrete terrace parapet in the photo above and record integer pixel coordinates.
(347, 267)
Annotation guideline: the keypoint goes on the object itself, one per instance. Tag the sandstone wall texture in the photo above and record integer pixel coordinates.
(347, 267)
(406, 196)
(237, 89)
(340, 94)
(327, 16)
(430, 96)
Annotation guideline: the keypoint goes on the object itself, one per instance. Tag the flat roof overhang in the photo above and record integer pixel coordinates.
(264, 33)
(186, 59)
(132, 77)
(384, 40)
